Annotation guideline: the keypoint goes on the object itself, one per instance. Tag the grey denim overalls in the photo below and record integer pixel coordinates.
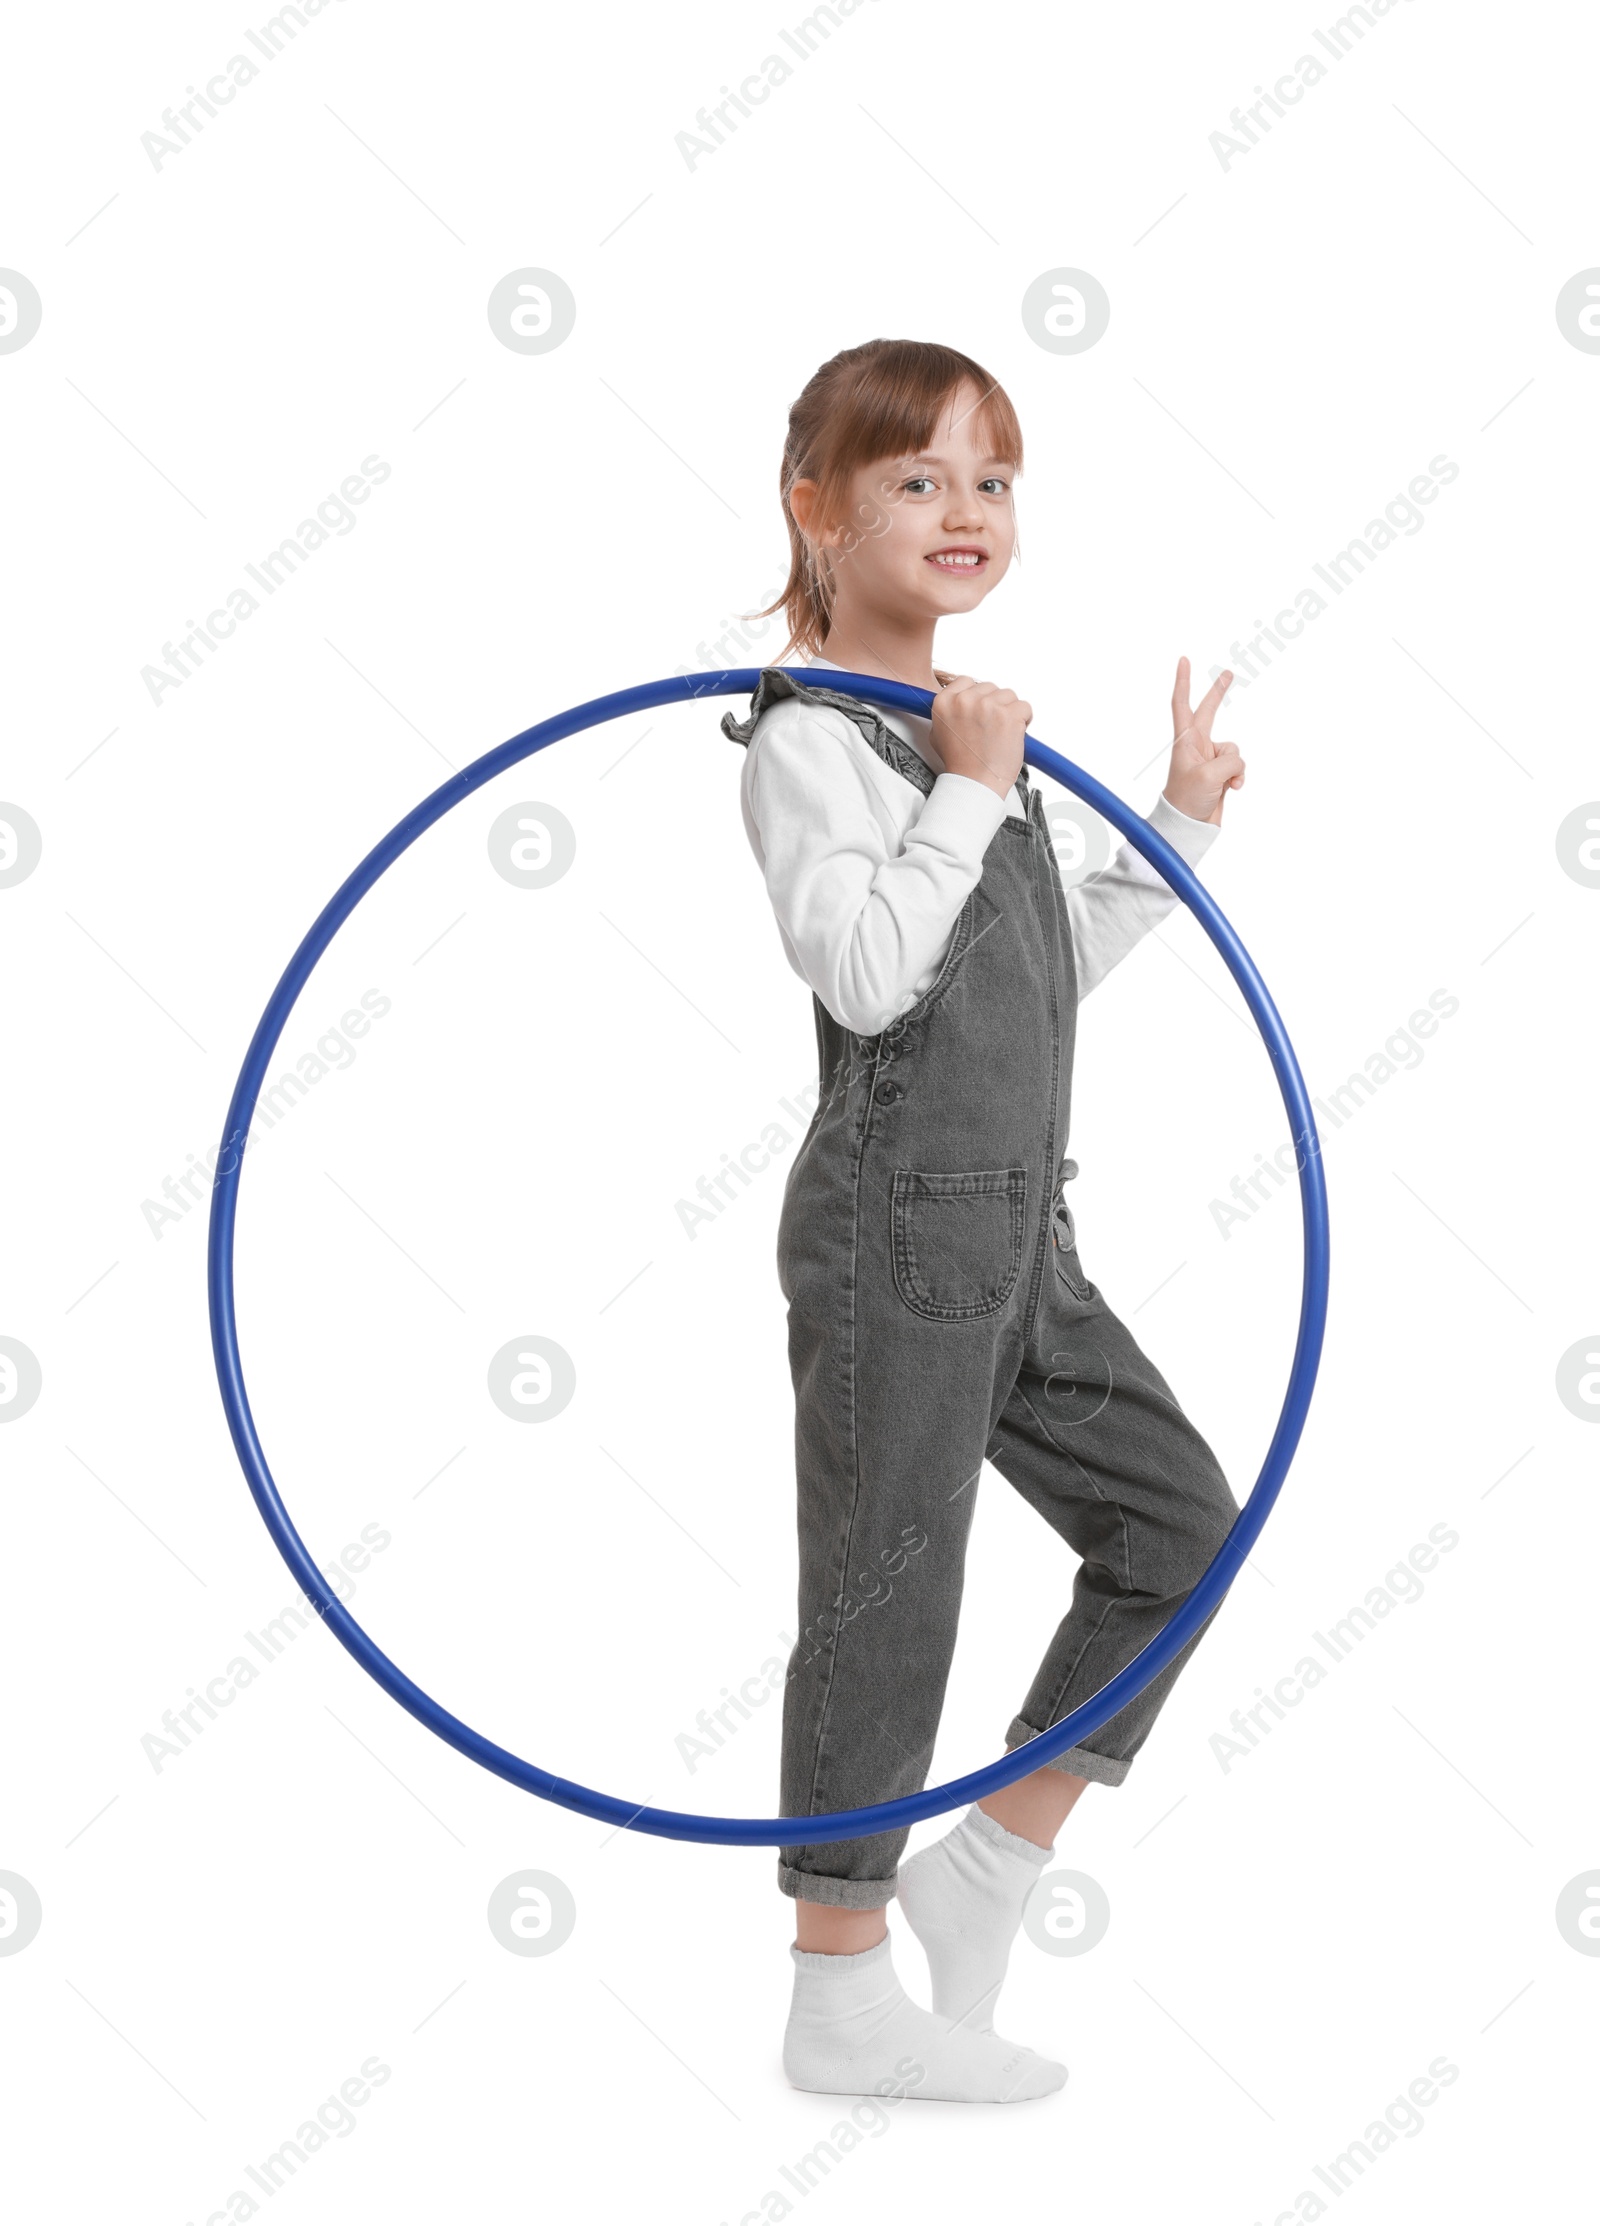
(938, 1315)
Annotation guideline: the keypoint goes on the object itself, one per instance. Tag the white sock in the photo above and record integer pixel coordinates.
(853, 2030)
(963, 1898)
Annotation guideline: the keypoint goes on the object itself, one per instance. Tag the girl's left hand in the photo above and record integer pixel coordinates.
(1202, 771)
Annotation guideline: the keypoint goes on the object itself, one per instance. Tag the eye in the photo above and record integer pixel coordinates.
(917, 484)
(995, 486)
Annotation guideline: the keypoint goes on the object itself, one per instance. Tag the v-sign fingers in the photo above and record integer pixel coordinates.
(1206, 710)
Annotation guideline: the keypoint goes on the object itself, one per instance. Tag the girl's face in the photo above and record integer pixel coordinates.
(928, 534)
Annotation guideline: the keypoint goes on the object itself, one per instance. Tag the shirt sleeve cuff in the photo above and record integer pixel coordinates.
(959, 818)
(1190, 838)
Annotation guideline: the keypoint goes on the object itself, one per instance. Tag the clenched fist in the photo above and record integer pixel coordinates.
(978, 730)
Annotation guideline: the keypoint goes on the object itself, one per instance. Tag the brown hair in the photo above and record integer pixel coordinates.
(882, 399)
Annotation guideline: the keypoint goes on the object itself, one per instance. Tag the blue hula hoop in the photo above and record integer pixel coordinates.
(764, 1831)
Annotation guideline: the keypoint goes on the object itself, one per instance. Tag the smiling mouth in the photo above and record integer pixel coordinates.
(965, 560)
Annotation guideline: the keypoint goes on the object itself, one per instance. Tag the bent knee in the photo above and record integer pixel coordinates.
(1210, 1512)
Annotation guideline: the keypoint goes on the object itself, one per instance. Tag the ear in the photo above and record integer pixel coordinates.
(803, 504)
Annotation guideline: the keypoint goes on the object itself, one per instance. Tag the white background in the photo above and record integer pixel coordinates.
(1294, 1938)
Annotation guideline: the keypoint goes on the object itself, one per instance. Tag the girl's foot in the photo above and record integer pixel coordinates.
(853, 2030)
(963, 1898)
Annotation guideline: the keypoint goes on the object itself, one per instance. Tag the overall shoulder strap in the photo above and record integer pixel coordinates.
(777, 683)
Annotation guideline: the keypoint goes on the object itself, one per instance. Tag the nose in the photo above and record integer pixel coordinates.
(962, 513)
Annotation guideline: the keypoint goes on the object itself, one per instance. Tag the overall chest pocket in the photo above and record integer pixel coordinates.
(958, 1240)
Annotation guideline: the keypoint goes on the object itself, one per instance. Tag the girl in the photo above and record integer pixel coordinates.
(938, 1312)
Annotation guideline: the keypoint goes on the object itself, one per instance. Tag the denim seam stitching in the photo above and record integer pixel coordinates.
(1036, 1290)
(855, 1497)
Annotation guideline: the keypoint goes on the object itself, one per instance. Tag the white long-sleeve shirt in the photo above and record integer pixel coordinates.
(867, 875)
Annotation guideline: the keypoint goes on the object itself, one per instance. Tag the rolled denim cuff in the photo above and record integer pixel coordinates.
(837, 1893)
(1081, 1761)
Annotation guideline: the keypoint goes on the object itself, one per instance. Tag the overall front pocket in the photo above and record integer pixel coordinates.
(958, 1240)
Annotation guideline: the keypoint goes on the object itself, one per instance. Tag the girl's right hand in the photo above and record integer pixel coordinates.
(978, 730)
